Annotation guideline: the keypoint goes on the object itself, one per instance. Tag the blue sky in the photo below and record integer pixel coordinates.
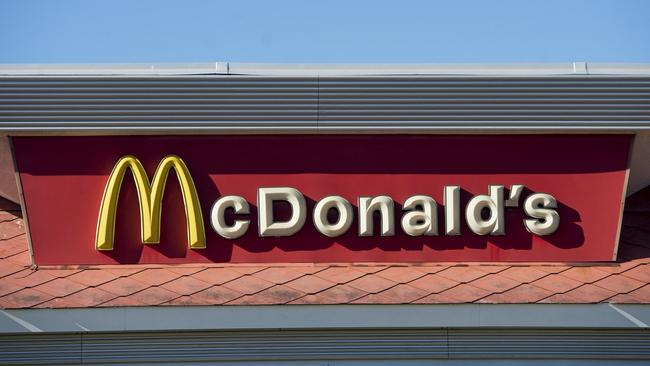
(324, 31)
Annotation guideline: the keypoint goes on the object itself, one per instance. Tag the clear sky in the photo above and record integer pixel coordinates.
(325, 31)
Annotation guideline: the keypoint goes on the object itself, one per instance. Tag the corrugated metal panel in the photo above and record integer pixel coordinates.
(220, 103)
(484, 103)
(368, 344)
(40, 348)
(550, 344)
(265, 345)
(374, 104)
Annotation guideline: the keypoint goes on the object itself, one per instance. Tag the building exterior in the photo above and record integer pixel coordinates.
(327, 214)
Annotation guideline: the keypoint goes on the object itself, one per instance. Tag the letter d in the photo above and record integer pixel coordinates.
(267, 225)
(494, 204)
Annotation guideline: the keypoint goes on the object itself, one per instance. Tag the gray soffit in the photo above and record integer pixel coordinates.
(230, 98)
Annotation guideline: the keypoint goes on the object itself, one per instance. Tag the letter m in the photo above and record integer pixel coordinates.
(150, 196)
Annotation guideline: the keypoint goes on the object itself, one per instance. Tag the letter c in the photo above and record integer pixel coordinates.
(218, 221)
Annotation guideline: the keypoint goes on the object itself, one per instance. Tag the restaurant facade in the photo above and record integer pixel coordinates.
(228, 213)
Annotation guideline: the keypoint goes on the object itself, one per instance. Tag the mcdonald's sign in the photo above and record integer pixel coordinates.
(150, 198)
(322, 198)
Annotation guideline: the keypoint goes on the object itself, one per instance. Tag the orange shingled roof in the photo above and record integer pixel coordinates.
(627, 281)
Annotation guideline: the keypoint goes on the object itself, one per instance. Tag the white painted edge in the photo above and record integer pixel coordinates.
(23, 323)
(629, 316)
(621, 210)
(23, 206)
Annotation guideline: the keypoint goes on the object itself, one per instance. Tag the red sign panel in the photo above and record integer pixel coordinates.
(581, 178)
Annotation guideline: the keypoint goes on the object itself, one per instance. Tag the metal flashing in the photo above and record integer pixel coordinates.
(271, 69)
(172, 318)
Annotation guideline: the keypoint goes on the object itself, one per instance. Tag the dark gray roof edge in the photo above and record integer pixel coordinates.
(325, 317)
(268, 69)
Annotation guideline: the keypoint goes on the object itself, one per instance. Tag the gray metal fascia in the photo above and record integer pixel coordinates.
(325, 317)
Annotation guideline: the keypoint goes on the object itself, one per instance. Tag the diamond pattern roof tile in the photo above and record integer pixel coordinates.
(217, 276)
(275, 295)
(185, 285)
(280, 275)
(465, 293)
(556, 283)
(642, 293)
(562, 299)
(60, 287)
(433, 283)
(155, 276)
(92, 277)
(215, 295)
(401, 274)
(523, 274)
(437, 299)
(495, 283)
(619, 283)
(88, 297)
(585, 274)
(154, 296)
(310, 284)
(640, 273)
(27, 298)
(123, 286)
(402, 294)
(248, 285)
(521, 294)
(341, 275)
(11, 228)
(341, 294)
(371, 283)
(464, 273)
(591, 293)
(121, 301)
(8, 287)
(27, 278)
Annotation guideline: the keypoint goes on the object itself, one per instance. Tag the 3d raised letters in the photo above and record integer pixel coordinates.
(484, 214)
(267, 224)
(218, 216)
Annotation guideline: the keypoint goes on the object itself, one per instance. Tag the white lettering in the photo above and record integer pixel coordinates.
(344, 221)
(267, 225)
(367, 208)
(545, 220)
(218, 220)
(420, 221)
(482, 204)
(452, 210)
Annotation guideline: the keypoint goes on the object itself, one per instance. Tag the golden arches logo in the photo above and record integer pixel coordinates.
(150, 197)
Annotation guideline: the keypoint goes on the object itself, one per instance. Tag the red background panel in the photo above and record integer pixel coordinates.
(63, 181)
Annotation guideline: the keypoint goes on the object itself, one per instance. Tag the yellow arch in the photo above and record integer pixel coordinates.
(150, 198)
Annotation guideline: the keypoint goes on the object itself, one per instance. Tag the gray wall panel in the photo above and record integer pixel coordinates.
(324, 345)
